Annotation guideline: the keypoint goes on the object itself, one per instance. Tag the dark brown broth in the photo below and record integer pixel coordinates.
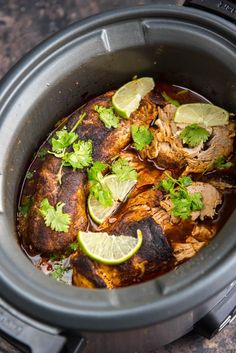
(176, 234)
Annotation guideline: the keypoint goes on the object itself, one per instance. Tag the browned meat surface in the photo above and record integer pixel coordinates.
(152, 257)
(107, 143)
(220, 144)
(73, 194)
(168, 151)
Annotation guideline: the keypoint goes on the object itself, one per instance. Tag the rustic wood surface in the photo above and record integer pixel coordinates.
(25, 23)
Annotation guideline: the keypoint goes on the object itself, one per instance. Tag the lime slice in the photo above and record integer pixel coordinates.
(109, 249)
(98, 212)
(119, 190)
(201, 113)
(127, 98)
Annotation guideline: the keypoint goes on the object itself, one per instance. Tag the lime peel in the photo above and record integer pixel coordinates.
(201, 113)
(109, 249)
(128, 97)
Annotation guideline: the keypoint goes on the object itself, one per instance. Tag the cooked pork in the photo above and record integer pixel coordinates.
(168, 240)
(168, 150)
(152, 257)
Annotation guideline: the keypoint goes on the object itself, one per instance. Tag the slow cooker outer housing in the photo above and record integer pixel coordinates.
(186, 47)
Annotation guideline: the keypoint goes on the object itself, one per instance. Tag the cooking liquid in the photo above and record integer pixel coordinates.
(48, 264)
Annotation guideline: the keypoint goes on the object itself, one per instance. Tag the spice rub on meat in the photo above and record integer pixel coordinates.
(177, 198)
(73, 188)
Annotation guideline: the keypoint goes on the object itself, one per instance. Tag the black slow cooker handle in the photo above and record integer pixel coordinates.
(27, 337)
(223, 8)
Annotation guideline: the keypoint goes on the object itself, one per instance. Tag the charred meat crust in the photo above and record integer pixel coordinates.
(73, 191)
(73, 194)
(154, 252)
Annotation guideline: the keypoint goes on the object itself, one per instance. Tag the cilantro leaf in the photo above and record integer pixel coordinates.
(183, 202)
(123, 170)
(26, 204)
(97, 187)
(193, 135)
(185, 181)
(74, 246)
(141, 135)
(107, 116)
(170, 100)
(42, 153)
(62, 140)
(196, 201)
(81, 156)
(220, 163)
(166, 184)
(54, 217)
(29, 174)
(58, 272)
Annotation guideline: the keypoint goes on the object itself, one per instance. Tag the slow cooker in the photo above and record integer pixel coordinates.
(186, 46)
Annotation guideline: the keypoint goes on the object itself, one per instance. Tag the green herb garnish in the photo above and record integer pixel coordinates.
(183, 202)
(220, 163)
(80, 157)
(123, 170)
(26, 204)
(107, 116)
(170, 100)
(141, 135)
(193, 135)
(42, 153)
(97, 187)
(62, 140)
(29, 174)
(58, 272)
(54, 216)
(74, 246)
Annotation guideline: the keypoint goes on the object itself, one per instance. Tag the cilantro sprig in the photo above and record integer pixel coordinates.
(54, 216)
(193, 135)
(141, 136)
(26, 204)
(80, 157)
(123, 170)
(107, 116)
(184, 203)
(220, 163)
(62, 140)
(97, 187)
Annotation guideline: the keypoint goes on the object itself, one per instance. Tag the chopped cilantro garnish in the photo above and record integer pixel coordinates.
(58, 272)
(183, 202)
(74, 246)
(54, 216)
(26, 203)
(29, 174)
(220, 163)
(80, 157)
(141, 135)
(62, 140)
(193, 135)
(42, 153)
(123, 170)
(170, 100)
(97, 187)
(107, 116)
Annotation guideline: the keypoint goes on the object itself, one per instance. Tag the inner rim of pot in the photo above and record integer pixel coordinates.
(154, 301)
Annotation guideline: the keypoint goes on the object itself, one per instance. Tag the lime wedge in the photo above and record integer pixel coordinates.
(201, 113)
(127, 98)
(98, 212)
(109, 249)
(119, 190)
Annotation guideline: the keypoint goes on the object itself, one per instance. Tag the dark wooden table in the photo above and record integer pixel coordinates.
(23, 24)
